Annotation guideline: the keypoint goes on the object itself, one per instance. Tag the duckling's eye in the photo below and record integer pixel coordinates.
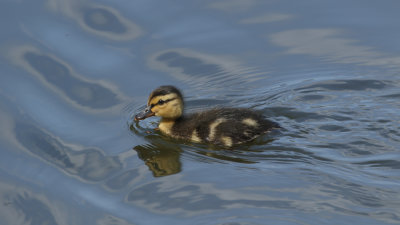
(161, 102)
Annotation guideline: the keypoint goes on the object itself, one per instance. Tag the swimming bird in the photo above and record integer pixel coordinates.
(218, 126)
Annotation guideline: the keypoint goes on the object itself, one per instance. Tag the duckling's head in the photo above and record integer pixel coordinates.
(165, 101)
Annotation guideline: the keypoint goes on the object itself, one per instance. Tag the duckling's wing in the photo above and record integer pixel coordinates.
(248, 117)
(245, 129)
(232, 126)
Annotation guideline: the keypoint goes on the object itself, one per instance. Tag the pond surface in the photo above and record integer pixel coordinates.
(74, 72)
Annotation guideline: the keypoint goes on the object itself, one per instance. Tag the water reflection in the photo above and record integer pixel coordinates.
(161, 159)
(346, 85)
(267, 18)
(201, 70)
(175, 196)
(233, 5)
(20, 206)
(330, 45)
(112, 220)
(193, 66)
(298, 116)
(97, 19)
(63, 80)
(102, 19)
(388, 163)
(355, 193)
(342, 129)
(160, 156)
(89, 164)
(122, 180)
(163, 155)
(33, 210)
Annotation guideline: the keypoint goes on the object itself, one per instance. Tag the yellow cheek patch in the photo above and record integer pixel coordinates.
(155, 109)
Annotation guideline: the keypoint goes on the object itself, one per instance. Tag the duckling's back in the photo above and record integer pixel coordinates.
(223, 126)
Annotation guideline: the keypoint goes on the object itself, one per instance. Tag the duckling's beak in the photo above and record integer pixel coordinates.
(143, 115)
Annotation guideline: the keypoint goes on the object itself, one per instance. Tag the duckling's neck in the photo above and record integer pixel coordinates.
(166, 125)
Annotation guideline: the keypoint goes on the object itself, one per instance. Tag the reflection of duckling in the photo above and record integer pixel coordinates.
(162, 160)
(221, 126)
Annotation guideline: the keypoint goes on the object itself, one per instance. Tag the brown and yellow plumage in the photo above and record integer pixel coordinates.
(220, 126)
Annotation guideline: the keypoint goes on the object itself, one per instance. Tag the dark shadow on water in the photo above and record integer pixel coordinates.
(88, 163)
(389, 163)
(81, 91)
(203, 70)
(190, 65)
(103, 20)
(122, 180)
(32, 210)
(347, 85)
(301, 116)
(353, 192)
(151, 197)
(194, 198)
(394, 96)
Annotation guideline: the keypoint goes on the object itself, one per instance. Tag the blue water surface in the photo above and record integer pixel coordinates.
(72, 73)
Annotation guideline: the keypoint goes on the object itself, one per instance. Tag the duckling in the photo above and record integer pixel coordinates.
(219, 126)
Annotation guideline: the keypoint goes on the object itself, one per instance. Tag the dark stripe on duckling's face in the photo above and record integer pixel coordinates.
(164, 90)
(169, 106)
(161, 102)
(148, 112)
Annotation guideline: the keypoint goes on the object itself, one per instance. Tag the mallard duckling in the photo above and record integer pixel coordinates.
(220, 126)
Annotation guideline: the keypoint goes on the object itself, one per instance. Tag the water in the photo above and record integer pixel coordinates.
(73, 73)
